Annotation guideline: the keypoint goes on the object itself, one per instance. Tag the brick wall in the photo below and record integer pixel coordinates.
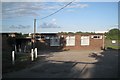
(94, 44)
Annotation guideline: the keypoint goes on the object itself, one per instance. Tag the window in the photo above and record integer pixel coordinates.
(54, 41)
(47, 37)
(70, 41)
(84, 40)
(96, 37)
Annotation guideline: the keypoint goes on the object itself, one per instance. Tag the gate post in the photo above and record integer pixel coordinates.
(35, 52)
(13, 57)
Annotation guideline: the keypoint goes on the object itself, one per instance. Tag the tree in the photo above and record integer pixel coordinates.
(113, 34)
(70, 32)
(79, 32)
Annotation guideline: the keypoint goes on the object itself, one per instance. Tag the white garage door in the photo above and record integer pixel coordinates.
(70, 41)
(85, 40)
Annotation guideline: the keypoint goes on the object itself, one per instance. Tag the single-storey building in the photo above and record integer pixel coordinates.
(84, 41)
(56, 41)
(81, 41)
(14, 41)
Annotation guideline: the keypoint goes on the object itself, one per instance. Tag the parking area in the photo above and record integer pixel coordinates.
(72, 64)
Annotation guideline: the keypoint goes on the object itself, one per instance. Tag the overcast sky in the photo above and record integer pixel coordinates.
(78, 16)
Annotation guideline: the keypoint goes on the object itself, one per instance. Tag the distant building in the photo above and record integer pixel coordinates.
(8, 39)
(101, 31)
(12, 41)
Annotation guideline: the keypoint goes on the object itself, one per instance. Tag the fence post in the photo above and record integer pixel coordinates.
(15, 48)
(35, 52)
(32, 56)
(19, 48)
(24, 48)
(13, 57)
(103, 42)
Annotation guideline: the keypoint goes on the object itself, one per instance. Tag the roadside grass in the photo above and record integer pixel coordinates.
(22, 61)
(113, 47)
(110, 45)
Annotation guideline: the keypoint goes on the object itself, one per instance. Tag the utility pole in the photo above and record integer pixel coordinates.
(34, 27)
(33, 41)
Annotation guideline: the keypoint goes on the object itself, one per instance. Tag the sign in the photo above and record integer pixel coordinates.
(113, 41)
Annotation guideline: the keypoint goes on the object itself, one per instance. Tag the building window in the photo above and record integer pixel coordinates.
(85, 40)
(70, 41)
(47, 37)
(96, 37)
(54, 41)
(12, 35)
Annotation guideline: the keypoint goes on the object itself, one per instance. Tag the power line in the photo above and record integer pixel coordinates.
(58, 10)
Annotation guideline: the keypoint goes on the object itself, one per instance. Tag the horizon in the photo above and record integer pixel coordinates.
(61, 32)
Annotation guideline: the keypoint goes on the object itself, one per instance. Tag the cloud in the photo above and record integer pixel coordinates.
(38, 0)
(78, 5)
(18, 9)
(51, 24)
(19, 27)
(59, 0)
(53, 21)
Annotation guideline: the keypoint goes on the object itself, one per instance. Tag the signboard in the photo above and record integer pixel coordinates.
(113, 41)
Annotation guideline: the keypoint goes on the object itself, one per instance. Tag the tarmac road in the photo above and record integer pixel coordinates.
(73, 64)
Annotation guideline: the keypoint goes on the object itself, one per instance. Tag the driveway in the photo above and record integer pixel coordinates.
(72, 64)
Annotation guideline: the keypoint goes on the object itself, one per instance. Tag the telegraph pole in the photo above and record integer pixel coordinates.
(35, 49)
(33, 42)
(34, 27)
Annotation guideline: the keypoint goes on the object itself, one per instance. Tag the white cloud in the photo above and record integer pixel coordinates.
(77, 5)
(53, 21)
(59, 0)
(37, 0)
(51, 24)
(19, 27)
(17, 9)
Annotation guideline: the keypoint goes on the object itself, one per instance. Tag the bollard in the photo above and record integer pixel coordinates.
(32, 56)
(35, 52)
(13, 57)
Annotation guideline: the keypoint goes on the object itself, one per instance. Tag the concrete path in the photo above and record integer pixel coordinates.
(72, 64)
